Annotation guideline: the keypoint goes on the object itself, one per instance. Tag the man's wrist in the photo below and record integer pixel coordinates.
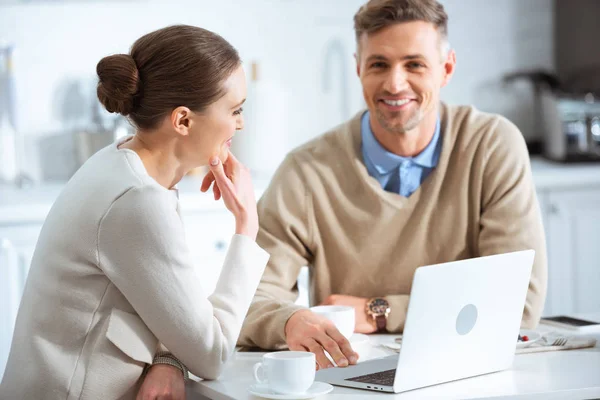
(378, 310)
(293, 314)
(370, 318)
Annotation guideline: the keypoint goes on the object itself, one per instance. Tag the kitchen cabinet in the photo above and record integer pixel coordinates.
(17, 243)
(572, 223)
(208, 235)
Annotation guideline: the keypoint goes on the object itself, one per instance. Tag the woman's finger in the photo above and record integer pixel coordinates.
(232, 166)
(207, 181)
(217, 192)
(227, 189)
(216, 167)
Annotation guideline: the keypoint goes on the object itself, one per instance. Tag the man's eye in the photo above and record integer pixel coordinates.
(415, 65)
(378, 64)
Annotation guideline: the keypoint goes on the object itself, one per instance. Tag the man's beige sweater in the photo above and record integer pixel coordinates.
(322, 209)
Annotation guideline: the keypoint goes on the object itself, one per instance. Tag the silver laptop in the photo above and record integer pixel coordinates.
(463, 320)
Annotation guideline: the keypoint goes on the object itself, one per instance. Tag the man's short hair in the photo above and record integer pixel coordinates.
(378, 14)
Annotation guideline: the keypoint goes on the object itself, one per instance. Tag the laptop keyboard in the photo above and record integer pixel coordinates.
(384, 378)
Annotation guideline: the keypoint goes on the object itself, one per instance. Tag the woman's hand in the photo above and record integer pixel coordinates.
(234, 184)
(163, 382)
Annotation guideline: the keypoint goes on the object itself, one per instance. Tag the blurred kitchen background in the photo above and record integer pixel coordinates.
(535, 61)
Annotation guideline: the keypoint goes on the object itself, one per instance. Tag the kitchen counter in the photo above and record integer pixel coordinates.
(32, 205)
(28, 205)
(553, 175)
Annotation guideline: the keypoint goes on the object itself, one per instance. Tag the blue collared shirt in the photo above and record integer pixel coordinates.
(402, 175)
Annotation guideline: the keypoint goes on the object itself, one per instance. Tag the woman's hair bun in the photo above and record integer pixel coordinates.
(118, 83)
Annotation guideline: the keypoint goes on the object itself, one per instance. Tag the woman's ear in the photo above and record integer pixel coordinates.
(181, 119)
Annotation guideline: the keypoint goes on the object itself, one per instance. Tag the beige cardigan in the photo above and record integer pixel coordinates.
(322, 209)
(112, 276)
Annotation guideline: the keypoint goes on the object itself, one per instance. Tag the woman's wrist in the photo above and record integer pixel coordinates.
(246, 231)
(246, 226)
(166, 358)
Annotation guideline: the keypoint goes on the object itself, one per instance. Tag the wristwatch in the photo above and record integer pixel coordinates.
(379, 309)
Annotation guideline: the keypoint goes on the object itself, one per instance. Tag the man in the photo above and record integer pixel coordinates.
(410, 182)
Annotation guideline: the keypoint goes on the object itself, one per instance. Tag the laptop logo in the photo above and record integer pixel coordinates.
(467, 317)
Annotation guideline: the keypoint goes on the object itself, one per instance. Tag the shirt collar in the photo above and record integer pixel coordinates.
(384, 161)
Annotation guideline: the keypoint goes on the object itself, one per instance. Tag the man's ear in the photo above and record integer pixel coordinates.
(449, 67)
(181, 120)
(357, 59)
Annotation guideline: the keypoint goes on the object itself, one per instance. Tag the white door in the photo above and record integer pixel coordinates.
(573, 233)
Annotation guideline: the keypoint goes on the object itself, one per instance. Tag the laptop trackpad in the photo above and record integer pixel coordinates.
(363, 368)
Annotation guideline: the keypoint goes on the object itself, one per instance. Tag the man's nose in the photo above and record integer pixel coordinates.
(396, 81)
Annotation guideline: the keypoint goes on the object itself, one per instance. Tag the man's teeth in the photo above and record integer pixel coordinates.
(396, 103)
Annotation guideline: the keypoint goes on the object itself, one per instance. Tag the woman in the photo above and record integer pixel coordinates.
(112, 281)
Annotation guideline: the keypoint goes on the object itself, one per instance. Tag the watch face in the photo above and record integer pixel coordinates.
(379, 306)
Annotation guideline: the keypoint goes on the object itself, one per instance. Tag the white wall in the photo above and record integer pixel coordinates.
(495, 37)
(58, 45)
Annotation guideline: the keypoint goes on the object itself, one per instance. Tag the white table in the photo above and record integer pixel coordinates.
(569, 374)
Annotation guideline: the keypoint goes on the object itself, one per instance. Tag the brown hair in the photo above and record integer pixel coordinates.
(378, 14)
(176, 66)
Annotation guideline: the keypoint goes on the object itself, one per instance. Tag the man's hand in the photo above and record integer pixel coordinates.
(364, 323)
(163, 382)
(307, 331)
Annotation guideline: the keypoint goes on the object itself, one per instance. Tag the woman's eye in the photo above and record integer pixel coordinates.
(238, 111)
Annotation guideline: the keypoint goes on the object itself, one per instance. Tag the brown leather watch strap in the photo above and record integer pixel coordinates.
(381, 322)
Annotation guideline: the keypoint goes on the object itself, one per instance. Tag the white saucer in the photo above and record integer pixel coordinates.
(359, 339)
(533, 337)
(317, 389)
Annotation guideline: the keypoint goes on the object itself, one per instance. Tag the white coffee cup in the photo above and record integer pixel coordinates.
(286, 372)
(343, 317)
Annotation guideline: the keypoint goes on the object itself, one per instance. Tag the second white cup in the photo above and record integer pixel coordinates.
(343, 317)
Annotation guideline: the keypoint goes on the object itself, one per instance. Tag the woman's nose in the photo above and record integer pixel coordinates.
(240, 124)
